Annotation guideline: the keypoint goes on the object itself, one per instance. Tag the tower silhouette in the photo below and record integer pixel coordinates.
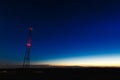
(26, 63)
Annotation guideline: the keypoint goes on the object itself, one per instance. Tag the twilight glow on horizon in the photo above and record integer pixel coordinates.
(97, 61)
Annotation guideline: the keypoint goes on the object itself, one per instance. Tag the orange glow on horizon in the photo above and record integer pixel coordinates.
(94, 61)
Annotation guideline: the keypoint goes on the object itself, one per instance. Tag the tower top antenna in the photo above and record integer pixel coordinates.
(30, 28)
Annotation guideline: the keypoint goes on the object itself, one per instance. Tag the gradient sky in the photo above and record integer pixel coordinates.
(64, 32)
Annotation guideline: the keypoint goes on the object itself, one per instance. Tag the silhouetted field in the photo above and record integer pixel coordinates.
(60, 74)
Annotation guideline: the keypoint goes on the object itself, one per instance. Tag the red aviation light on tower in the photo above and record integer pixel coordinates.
(30, 28)
(28, 43)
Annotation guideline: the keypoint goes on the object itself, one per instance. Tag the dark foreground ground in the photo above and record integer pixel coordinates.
(61, 74)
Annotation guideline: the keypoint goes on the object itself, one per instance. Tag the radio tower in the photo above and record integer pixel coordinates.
(26, 63)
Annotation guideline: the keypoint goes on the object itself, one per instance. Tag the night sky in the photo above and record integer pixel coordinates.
(84, 32)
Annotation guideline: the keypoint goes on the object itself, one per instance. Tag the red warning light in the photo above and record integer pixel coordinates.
(28, 44)
(31, 28)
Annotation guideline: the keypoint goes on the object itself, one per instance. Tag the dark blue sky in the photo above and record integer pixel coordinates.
(61, 29)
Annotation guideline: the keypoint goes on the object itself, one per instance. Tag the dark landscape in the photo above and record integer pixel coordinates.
(63, 73)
